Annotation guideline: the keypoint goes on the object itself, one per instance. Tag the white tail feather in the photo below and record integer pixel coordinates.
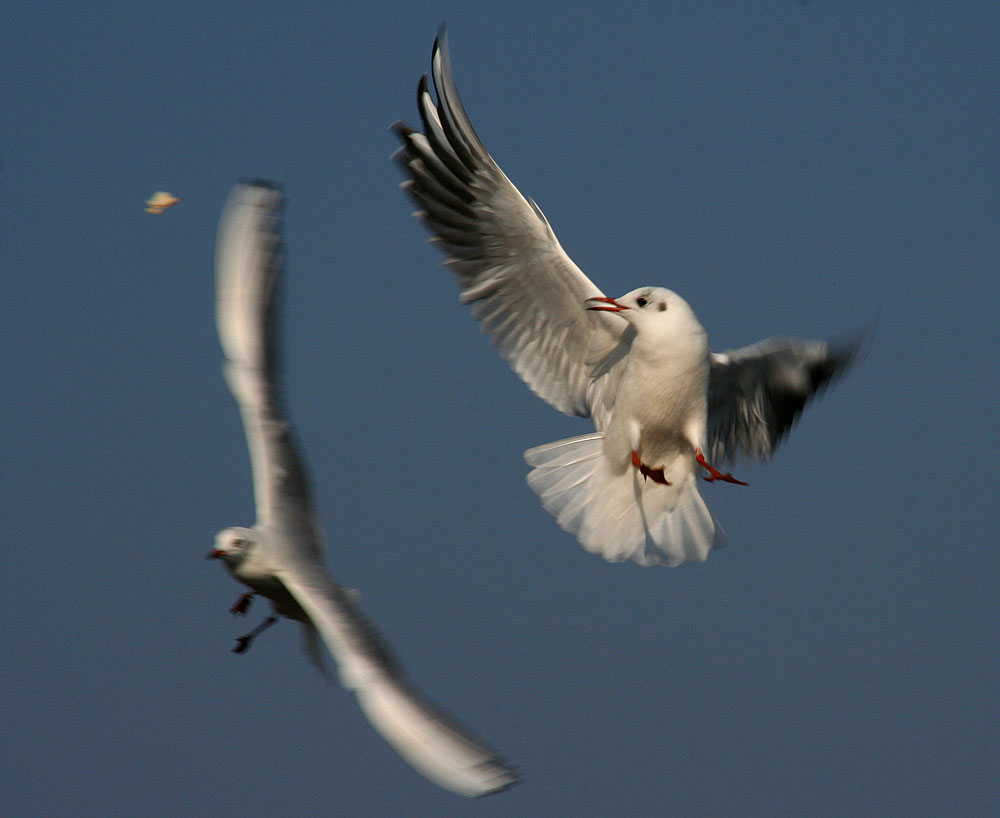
(623, 516)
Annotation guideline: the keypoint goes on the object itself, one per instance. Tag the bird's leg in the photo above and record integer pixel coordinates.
(713, 473)
(646, 471)
(243, 643)
(242, 605)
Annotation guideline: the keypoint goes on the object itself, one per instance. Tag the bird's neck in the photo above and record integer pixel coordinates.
(682, 348)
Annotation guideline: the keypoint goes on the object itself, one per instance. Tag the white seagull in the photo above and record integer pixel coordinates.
(280, 556)
(638, 365)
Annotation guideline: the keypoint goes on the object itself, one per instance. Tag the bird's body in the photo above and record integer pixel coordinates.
(280, 557)
(662, 404)
(630, 491)
(258, 571)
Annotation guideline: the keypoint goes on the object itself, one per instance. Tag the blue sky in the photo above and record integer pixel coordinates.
(789, 168)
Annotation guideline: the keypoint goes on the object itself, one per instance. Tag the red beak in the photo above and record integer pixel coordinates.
(615, 306)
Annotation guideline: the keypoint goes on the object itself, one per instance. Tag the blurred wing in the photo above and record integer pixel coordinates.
(424, 736)
(248, 263)
(528, 294)
(755, 394)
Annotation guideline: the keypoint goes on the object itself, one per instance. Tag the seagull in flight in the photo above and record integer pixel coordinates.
(280, 557)
(664, 407)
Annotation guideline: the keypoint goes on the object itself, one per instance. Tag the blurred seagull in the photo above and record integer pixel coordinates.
(160, 201)
(280, 557)
(638, 365)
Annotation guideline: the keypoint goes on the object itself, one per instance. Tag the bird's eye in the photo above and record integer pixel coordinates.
(663, 306)
(641, 302)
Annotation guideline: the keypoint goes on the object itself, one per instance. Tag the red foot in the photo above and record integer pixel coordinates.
(242, 605)
(655, 474)
(714, 473)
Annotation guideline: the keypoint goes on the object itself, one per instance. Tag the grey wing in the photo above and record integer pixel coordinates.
(249, 259)
(528, 294)
(755, 394)
(426, 738)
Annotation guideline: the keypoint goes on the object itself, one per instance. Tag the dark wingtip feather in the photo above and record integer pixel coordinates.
(853, 348)
(441, 40)
(844, 352)
(270, 184)
(401, 128)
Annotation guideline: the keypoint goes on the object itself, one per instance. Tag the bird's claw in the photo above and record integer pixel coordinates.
(713, 473)
(726, 478)
(243, 642)
(656, 475)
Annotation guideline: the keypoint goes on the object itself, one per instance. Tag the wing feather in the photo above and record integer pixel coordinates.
(428, 739)
(528, 294)
(756, 393)
(249, 263)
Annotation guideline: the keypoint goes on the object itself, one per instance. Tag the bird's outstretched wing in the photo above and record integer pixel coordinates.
(425, 737)
(528, 294)
(756, 393)
(248, 265)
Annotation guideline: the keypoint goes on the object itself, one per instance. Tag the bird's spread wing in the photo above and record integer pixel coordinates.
(755, 394)
(248, 265)
(528, 294)
(426, 738)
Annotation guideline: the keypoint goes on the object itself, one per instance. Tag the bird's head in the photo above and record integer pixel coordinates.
(650, 309)
(233, 545)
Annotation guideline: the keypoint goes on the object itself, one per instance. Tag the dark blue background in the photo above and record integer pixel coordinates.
(799, 168)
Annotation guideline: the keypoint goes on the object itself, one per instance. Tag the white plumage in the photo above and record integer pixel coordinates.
(662, 404)
(280, 556)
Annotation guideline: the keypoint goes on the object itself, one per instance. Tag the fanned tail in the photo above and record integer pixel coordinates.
(623, 516)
